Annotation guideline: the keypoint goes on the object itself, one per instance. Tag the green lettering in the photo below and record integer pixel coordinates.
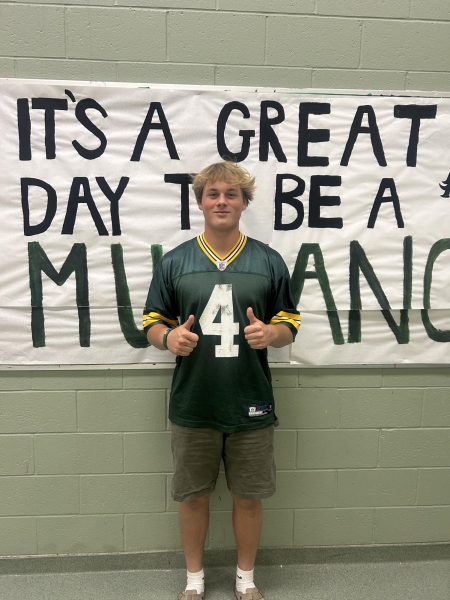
(360, 263)
(437, 335)
(134, 336)
(76, 261)
(298, 281)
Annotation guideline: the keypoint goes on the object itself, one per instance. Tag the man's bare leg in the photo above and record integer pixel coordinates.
(194, 520)
(247, 521)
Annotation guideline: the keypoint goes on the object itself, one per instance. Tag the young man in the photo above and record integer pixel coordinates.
(217, 302)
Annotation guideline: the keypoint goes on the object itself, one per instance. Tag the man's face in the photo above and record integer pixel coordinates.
(222, 205)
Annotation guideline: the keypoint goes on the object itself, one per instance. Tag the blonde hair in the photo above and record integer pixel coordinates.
(224, 171)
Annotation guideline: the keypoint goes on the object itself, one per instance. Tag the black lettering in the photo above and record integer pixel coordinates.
(163, 125)
(416, 113)
(80, 113)
(267, 136)
(316, 201)
(371, 129)
(24, 128)
(80, 192)
(49, 105)
(183, 180)
(114, 198)
(386, 184)
(290, 198)
(313, 136)
(50, 211)
(246, 135)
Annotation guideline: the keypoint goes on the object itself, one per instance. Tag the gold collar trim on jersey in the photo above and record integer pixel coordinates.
(222, 262)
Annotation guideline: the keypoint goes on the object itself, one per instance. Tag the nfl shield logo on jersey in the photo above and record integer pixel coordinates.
(221, 265)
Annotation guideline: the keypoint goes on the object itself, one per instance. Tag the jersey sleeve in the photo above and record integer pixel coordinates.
(160, 306)
(283, 310)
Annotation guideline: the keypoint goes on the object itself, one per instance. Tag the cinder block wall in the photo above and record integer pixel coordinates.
(363, 454)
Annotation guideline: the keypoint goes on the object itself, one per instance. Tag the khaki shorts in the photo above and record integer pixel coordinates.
(247, 457)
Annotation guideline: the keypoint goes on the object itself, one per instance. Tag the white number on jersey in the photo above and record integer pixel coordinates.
(221, 300)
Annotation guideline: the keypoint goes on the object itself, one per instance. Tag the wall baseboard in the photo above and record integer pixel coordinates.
(219, 558)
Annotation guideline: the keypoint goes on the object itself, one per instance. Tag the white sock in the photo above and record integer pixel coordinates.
(244, 580)
(196, 581)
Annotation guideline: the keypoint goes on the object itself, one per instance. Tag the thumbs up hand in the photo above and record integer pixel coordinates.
(181, 340)
(257, 333)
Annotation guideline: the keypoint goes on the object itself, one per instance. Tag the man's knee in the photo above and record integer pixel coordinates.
(197, 503)
(248, 505)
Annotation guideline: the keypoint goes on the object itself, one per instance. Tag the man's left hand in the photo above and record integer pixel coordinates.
(258, 334)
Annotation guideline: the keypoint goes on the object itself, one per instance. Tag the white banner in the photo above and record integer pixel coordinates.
(352, 189)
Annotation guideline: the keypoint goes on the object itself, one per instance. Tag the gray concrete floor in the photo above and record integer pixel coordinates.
(409, 580)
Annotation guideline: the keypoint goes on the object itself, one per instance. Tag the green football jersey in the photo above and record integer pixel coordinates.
(223, 384)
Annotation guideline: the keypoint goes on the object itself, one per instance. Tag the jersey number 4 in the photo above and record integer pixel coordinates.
(221, 301)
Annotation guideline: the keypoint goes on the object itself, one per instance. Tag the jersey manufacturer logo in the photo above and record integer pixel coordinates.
(259, 411)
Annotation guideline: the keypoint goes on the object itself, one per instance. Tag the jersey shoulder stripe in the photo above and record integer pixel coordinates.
(152, 318)
(293, 319)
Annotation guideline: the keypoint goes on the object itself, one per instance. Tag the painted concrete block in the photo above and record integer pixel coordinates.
(320, 449)
(430, 10)
(333, 527)
(32, 30)
(16, 455)
(304, 489)
(412, 45)
(13, 380)
(340, 378)
(364, 8)
(151, 532)
(147, 452)
(358, 79)
(77, 380)
(312, 42)
(220, 38)
(34, 412)
(28, 496)
(148, 72)
(265, 76)
(78, 453)
(415, 448)
(428, 81)
(18, 536)
(125, 410)
(106, 494)
(411, 525)
(417, 378)
(115, 34)
(436, 408)
(380, 408)
(433, 487)
(285, 449)
(267, 6)
(278, 528)
(80, 534)
(376, 487)
(307, 408)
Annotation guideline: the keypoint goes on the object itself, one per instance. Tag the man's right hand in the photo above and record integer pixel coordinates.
(181, 340)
